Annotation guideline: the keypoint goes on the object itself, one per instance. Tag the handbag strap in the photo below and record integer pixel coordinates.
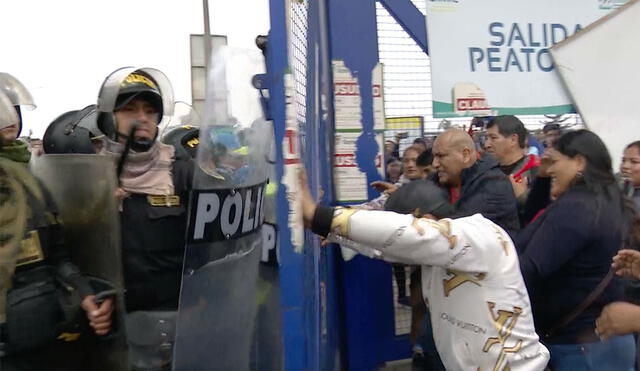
(597, 291)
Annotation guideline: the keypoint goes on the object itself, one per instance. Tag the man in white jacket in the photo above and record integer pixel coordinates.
(480, 308)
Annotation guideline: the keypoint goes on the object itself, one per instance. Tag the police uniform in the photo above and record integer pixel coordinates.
(153, 213)
(153, 231)
(33, 336)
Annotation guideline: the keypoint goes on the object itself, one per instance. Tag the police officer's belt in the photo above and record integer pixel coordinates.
(163, 200)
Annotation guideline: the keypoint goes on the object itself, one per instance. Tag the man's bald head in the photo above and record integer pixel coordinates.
(453, 151)
(457, 140)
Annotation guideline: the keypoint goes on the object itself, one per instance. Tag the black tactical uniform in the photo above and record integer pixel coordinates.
(153, 240)
(40, 333)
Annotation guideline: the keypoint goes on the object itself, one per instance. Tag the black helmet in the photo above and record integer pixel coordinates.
(185, 138)
(69, 132)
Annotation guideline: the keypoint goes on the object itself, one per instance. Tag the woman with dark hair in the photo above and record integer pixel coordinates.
(630, 172)
(565, 253)
(394, 170)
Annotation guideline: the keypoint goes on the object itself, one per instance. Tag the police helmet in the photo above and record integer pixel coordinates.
(18, 96)
(128, 83)
(184, 138)
(69, 132)
(8, 115)
(140, 85)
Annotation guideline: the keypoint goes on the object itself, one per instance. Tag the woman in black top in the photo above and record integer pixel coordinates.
(565, 252)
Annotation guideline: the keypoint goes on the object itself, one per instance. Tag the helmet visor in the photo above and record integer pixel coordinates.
(16, 91)
(8, 114)
(116, 84)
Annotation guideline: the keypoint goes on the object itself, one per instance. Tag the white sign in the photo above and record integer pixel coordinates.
(378, 100)
(346, 89)
(502, 48)
(347, 100)
(600, 68)
(469, 98)
(351, 183)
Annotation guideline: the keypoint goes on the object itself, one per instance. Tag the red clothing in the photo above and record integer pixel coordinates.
(455, 195)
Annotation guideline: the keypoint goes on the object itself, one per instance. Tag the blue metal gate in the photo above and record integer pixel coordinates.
(336, 314)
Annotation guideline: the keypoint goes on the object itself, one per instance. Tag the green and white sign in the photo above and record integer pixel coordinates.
(492, 56)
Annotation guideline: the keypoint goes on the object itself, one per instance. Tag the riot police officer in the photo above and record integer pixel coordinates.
(154, 183)
(42, 294)
(73, 132)
(184, 138)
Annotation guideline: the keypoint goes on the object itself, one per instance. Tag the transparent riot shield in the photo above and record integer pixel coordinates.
(267, 352)
(217, 309)
(83, 189)
(183, 114)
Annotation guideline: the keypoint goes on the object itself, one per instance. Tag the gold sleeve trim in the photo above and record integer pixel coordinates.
(340, 221)
(444, 227)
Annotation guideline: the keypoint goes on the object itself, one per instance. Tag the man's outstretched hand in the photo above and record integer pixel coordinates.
(382, 186)
(308, 203)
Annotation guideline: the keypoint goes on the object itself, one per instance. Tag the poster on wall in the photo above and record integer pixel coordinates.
(291, 154)
(378, 100)
(351, 183)
(348, 115)
(346, 91)
(499, 61)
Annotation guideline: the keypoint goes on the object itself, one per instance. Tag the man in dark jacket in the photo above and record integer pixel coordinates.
(475, 185)
(506, 141)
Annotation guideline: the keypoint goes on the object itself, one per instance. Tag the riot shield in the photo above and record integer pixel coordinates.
(83, 188)
(217, 310)
(267, 352)
(183, 114)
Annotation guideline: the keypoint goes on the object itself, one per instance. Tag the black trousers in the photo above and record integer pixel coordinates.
(105, 355)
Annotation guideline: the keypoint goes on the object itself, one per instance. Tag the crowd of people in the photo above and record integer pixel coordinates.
(515, 248)
(517, 253)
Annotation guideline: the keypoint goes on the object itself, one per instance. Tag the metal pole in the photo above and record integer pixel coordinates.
(206, 39)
